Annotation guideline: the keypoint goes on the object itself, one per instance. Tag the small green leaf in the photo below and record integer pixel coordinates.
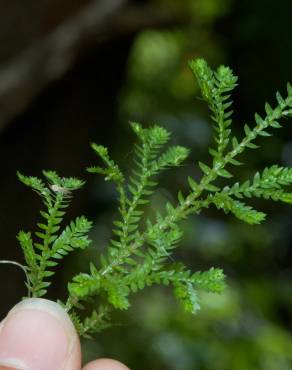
(224, 173)
(206, 169)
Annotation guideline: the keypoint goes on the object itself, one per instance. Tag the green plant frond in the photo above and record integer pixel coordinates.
(173, 157)
(37, 185)
(153, 260)
(239, 209)
(163, 243)
(42, 254)
(154, 136)
(26, 243)
(268, 185)
(211, 281)
(215, 88)
(84, 286)
(187, 285)
(62, 184)
(150, 272)
(117, 293)
(271, 120)
(140, 253)
(78, 324)
(205, 77)
(149, 163)
(112, 171)
(72, 237)
(96, 322)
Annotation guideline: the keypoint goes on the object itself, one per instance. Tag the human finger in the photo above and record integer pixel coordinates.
(37, 334)
(105, 364)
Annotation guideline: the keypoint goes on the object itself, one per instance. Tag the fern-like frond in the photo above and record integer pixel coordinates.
(92, 324)
(270, 184)
(186, 286)
(216, 88)
(140, 253)
(72, 237)
(211, 281)
(42, 254)
(111, 171)
(149, 160)
(84, 286)
(262, 125)
(239, 209)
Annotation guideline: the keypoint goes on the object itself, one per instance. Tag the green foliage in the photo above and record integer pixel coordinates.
(216, 88)
(51, 244)
(239, 209)
(270, 184)
(96, 322)
(139, 253)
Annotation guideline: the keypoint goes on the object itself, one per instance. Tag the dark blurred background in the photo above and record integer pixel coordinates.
(72, 72)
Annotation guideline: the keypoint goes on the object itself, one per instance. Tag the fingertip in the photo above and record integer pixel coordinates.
(37, 334)
(105, 364)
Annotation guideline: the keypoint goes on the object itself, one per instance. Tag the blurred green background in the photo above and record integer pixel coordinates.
(75, 72)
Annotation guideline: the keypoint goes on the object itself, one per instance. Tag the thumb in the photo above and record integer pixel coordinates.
(37, 334)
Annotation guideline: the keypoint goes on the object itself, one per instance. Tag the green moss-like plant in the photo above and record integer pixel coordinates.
(138, 253)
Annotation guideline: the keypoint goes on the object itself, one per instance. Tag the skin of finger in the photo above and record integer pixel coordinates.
(105, 364)
(32, 331)
(74, 360)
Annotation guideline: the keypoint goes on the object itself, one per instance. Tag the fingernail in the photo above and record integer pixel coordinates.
(37, 334)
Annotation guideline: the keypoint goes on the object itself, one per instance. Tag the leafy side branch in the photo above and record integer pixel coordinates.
(51, 245)
(139, 253)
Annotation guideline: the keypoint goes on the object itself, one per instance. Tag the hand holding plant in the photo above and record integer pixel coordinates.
(37, 334)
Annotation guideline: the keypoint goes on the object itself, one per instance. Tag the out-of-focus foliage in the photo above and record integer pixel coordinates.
(159, 79)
